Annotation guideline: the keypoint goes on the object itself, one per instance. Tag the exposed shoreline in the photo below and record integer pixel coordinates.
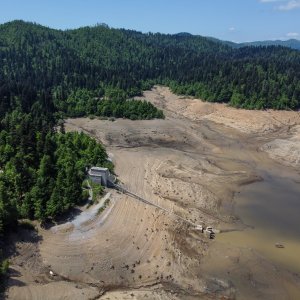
(193, 162)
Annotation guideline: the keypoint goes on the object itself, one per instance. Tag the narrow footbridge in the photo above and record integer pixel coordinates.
(171, 213)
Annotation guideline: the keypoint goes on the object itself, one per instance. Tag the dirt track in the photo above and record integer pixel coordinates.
(190, 163)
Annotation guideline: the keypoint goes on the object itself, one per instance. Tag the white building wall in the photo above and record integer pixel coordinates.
(99, 175)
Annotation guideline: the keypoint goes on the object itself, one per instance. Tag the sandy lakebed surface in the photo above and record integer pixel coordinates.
(235, 170)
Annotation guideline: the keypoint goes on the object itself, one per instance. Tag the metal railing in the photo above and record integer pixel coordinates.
(125, 191)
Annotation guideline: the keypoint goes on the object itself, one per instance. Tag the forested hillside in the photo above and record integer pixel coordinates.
(47, 74)
(118, 64)
(292, 43)
(41, 169)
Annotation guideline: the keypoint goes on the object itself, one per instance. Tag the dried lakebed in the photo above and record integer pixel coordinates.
(199, 165)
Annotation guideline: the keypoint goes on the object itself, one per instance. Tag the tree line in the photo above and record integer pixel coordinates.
(47, 74)
(42, 168)
(101, 59)
(113, 103)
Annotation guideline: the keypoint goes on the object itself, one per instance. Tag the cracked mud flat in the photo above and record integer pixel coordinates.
(193, 163)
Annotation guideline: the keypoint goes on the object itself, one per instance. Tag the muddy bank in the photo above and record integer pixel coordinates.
(192, 164)
(286, 150)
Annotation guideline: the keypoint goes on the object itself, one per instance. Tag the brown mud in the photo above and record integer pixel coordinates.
(199, 163)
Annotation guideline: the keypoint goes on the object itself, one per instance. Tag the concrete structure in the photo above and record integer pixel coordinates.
(200, 228)
(101, 176)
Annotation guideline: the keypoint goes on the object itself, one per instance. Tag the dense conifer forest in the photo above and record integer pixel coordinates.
(118, 64)
(47, 74)
(42, 168)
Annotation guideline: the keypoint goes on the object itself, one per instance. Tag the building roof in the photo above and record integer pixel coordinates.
(98, 169)
(94, 174)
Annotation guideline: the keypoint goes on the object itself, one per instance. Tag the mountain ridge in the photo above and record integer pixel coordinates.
(292, 43)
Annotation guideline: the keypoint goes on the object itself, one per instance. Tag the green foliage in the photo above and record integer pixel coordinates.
(130, 109)
(102, 208)
(42, 173)
(4, 267)
(85, 195)
(114, 104)
(82, 67)
(85, 184)
(46, 74)
(98, 190)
